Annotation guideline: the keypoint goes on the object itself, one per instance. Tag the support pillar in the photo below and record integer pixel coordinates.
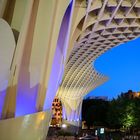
(72, 117)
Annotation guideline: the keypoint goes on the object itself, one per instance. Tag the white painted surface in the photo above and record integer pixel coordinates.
(7, 46)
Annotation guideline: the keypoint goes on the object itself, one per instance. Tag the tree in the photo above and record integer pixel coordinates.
(94, 112)
(124, 112)
(114, 114)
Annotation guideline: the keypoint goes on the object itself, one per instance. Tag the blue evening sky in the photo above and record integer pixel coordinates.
(122, 65)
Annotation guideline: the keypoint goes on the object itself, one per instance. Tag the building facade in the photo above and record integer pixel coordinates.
(131, 94)
(56, 113)
(105, 98)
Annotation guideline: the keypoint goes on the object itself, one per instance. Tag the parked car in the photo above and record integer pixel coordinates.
(88, 137)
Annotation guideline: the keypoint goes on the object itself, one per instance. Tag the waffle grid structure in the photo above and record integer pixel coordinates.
(104, 24)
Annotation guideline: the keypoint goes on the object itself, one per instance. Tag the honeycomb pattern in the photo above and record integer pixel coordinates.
(105, 24)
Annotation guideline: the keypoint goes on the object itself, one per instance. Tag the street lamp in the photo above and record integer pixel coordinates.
(64, 126)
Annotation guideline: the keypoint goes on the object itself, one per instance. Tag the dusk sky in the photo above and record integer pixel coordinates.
(122, 65)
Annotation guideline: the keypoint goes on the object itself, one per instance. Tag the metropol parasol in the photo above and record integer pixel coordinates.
(47, 49)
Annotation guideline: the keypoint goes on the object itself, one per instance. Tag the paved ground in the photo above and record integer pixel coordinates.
(61, 138)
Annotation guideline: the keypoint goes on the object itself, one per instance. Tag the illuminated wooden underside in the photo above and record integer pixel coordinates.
(97, 27)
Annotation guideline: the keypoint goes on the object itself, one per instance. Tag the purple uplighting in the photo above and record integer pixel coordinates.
(2, 97)
(58, 62)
